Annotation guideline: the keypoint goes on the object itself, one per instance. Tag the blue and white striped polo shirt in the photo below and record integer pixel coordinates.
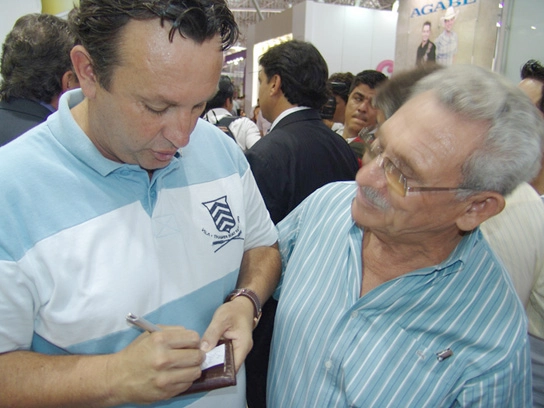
(85, 240)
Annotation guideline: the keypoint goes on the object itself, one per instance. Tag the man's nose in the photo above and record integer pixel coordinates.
(364, 105)
(371, 173)
(178, 129)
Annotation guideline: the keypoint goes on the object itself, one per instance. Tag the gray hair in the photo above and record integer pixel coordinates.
(392, 94)
(510, 152)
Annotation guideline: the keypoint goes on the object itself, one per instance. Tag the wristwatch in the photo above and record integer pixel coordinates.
(257, 311)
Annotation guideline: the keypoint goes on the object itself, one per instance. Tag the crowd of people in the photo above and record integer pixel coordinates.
(372, 242)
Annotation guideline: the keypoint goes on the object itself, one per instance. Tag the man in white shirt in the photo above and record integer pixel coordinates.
(244, 131)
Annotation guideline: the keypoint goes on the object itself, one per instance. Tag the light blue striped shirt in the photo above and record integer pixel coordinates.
(333, 348)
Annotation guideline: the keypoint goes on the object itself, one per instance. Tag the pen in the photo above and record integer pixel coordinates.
(142, 323)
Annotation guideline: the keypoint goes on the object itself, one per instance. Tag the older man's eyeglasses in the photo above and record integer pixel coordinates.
(396, 181)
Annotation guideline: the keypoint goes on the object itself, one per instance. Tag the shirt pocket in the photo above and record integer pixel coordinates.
(391, 367)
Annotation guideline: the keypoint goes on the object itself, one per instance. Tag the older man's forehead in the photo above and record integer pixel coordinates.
(406, 126)
(437, 130)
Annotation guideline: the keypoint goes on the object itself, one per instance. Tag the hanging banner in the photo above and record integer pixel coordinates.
(57, 7)
(447, 32)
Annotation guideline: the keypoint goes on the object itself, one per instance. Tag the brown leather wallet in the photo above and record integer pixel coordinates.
(219, 376)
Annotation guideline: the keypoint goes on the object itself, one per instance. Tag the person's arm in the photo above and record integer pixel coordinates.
(260, 269)
(252, 133)
(432, 54)
(259, 272)
(245, 132)
(154, 367)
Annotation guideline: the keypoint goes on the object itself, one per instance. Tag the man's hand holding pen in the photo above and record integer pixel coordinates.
(157, 365)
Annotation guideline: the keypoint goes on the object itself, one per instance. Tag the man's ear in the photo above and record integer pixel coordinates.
(275, 85)
(479, 208)
(228, 104)
(82, 62)
(69, 81)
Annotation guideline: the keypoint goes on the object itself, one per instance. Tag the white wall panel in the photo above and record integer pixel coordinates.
(525, 36)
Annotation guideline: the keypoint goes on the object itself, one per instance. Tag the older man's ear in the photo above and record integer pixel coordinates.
(479, 208)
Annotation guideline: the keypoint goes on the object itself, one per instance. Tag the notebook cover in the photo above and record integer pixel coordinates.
(219, 376)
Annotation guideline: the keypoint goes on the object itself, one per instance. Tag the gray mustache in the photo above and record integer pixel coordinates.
(375, 197)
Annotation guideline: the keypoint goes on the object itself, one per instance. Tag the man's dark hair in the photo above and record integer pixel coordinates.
(225, 91)
(98, 25)
(369, 77)
(35, 56)
(532, 69)
(340, 84)
(303, 72)
(426, 23)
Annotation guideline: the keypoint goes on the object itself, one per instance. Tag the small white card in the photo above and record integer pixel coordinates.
(214, 357)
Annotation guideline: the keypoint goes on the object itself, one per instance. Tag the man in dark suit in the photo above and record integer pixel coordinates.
(36, 69)
(298, 155)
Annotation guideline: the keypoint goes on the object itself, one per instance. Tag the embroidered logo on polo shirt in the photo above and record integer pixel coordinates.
(224, 221)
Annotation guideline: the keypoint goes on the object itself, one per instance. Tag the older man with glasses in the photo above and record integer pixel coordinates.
(389, 295)
(516, 234)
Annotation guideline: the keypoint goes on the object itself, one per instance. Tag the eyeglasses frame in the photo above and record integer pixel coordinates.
(399, 186)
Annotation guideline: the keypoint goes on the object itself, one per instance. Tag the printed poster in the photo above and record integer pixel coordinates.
(447, 32)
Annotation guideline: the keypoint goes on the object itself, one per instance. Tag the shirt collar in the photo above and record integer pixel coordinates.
(285, 113)
(463, 250)
(459, 255)
(47, 106)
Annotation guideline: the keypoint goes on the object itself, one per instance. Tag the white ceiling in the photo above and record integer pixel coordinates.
(248, 12)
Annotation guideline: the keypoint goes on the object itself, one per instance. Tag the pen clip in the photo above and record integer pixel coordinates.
(444, 354)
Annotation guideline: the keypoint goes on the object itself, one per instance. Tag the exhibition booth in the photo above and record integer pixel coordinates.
(497, 34)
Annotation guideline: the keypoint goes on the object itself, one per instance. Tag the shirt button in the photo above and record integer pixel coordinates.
(328, 364)
(354, 314)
